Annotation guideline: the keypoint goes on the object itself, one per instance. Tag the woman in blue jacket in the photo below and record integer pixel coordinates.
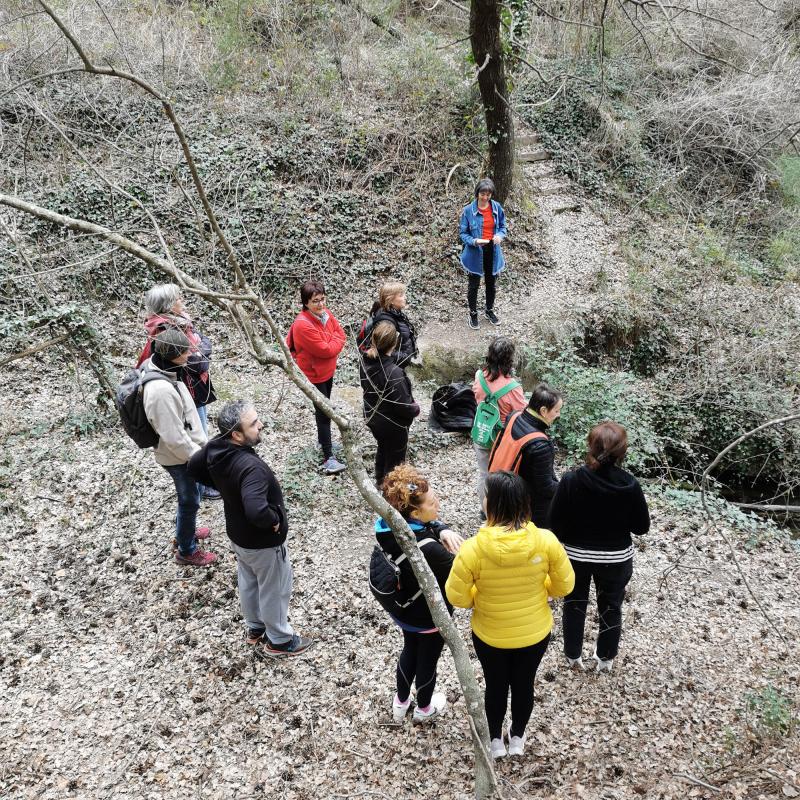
(482, 229)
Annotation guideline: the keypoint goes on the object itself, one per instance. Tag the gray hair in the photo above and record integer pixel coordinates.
(171, 343)
(229, 419)
(160, 299)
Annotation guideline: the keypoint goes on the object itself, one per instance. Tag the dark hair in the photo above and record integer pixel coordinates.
(404, 487)
(608, 443)
(384, 337)
(171, 343)
(508, 501)
(229, 419)
(543, 395)
(485, 185)
(309, 289)
(499, 358)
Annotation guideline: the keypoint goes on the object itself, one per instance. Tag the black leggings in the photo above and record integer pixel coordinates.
(392, 439)
(489, 279)
(610, 581)
(417, 663)
(513, 669)
(323, 421)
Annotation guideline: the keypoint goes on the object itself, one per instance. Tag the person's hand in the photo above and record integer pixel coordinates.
(276, 527)
(497, 239)
(481, 241)
(451, 540)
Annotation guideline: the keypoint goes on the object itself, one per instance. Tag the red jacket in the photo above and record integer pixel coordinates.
(316, 346)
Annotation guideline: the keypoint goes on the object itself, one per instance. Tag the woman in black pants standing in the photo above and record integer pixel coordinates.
(482, 228)
(389, 407)
(406, 490)
(595, 510)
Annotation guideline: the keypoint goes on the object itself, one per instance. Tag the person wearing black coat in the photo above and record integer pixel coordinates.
(389, 307)
(409, 492)
(594, 512)
(256, 524)
(532, 460)
(389, 406)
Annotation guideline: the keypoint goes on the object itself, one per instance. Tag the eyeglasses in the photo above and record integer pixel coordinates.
(317, 300)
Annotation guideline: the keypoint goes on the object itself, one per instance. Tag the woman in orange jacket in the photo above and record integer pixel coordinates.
(315, 340)
(505, 575)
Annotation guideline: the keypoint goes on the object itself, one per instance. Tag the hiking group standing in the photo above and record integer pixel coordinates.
(542, 538)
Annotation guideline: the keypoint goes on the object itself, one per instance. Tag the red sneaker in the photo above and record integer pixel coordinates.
(202, 533)
(200, 558)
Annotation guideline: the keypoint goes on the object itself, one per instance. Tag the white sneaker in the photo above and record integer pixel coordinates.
(575, 663)
(602, 665)
(438, 702)
(516, 745)
(497, 749)
(399, 710)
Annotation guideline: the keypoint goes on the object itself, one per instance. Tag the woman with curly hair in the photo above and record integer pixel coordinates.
(410, 493)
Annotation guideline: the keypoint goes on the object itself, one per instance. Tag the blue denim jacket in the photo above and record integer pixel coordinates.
(470, 229)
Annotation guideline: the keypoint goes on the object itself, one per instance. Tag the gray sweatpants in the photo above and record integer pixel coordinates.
(482, 457)
(265, 586)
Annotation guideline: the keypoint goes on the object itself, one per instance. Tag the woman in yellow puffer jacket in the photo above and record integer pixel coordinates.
(505, 574)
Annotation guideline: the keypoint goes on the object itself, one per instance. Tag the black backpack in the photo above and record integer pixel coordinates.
(453, 408)
(384, 579)
(129, 401)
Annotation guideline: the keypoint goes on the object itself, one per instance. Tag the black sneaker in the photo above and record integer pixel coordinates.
(491, 316)
(294, 647)
(473, 320)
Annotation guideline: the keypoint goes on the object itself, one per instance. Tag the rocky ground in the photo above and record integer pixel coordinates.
(125, 675)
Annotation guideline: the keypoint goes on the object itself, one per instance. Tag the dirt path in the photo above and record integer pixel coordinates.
(125, 676)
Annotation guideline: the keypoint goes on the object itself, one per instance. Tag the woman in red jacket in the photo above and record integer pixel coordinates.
(315, 339)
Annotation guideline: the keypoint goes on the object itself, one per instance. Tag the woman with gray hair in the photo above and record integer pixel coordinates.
(482, 228)
(163, 305)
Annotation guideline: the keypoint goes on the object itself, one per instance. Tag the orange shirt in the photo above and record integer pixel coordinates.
(488, 222)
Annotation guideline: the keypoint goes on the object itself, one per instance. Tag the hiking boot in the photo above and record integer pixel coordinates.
(603, 665)
(294, 647)
(425, 715)
(211, 494)
(575, 663)
(516, 745)
(200, 558)
(202, 533)
(491, 316)
(497, 749)
(399, 710)
(473, 320)
(254, 636)
(332, 466)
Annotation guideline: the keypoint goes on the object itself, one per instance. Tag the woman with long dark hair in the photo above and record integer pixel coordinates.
(482, 228)
(505, 574)
(495, 380)
(595, 510)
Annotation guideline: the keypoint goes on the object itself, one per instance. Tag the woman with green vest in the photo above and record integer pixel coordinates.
(501, 395)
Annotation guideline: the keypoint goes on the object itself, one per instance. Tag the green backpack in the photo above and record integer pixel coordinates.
(487, 424)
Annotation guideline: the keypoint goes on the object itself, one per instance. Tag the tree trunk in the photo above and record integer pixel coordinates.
(487, 49)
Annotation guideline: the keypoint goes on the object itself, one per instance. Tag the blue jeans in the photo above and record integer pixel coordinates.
(188, 491)
(203, 414)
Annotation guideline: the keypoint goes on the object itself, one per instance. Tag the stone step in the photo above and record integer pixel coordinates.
(526, 140)
(547, 191)
(530, 156)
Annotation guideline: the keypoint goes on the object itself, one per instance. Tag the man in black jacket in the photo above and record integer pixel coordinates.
(256, 523)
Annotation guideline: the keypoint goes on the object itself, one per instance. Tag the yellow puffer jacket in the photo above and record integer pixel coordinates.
(506, 577)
